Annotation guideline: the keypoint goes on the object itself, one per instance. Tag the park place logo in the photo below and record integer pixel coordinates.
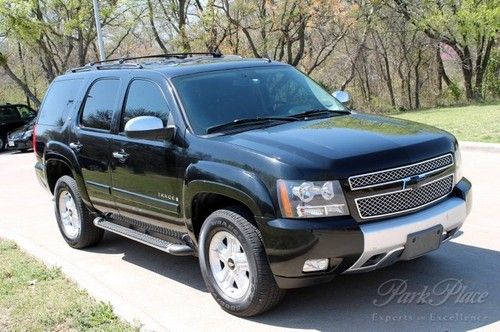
(445, 291)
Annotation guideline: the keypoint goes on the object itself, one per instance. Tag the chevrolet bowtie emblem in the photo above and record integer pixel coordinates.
(412, 182)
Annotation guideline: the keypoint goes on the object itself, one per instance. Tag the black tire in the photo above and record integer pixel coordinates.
(89, 234)
(3, 142)
(263, 293)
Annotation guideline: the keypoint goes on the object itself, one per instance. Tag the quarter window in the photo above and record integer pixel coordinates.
(100, 103)
(144, 98)
(25, 112)
(58, 101)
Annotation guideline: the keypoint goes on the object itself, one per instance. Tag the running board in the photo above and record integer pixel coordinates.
(168, 247)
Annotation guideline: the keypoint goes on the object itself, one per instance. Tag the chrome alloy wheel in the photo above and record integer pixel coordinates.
(69, 215)
(229, 265)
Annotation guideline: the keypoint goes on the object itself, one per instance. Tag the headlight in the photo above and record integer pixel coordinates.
(458, 165)
(28, 133)
(306, 199)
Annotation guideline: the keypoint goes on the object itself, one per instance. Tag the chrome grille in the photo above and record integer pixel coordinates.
(396, 174)
(404, 200)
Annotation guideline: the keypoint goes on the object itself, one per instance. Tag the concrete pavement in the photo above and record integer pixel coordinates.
(165, 292)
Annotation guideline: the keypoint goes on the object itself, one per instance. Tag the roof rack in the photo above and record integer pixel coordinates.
(119, 63)
(165, 55)
(89, 67)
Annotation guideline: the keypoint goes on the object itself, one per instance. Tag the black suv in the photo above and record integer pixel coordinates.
(13, 116)
(248, 164)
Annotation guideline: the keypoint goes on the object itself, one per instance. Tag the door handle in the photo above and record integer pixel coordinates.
(121, 156)
(77, 147)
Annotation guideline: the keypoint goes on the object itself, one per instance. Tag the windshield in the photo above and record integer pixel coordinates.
(215, 98)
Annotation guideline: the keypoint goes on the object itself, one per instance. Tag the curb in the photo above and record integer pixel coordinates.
(478, 146)
(92, 286)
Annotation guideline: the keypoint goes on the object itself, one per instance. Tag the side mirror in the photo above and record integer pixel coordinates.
(148, 127)
(343, 96)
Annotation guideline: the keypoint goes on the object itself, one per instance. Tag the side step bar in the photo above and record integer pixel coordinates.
(168, 247)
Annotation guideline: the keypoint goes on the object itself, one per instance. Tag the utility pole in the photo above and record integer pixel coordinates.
(100, 42)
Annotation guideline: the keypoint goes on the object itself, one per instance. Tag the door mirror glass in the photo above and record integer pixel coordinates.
(148, 127)
(343, 96)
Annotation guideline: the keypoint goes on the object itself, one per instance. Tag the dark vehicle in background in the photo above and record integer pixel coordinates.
(22, 138)
(248, 164)
(12, 117)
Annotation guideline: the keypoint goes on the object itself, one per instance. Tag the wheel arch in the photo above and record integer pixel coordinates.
(60, 160)
(211, 186)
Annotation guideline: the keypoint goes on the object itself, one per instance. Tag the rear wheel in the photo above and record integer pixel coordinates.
(234, 264)
(73, 217)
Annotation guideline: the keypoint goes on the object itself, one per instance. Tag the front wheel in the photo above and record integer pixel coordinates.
(2, 143)
(234, 264)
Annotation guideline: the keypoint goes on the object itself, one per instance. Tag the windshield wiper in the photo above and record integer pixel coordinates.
(318, 112)
(249, 122)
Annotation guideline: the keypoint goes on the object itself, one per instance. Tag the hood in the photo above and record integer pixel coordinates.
(345, 145)
(19, 132)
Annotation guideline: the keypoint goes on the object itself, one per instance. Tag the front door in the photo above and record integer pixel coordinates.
(91, 141)
(145, 183)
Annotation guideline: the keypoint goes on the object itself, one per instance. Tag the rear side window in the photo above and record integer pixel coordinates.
(100, 103)
(25, 112)
(59, 99)
(9, 113)
(144, 98)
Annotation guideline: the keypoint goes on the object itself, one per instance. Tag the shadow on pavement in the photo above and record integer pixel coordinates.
(184, 269)
(13, 152)
(348, 301)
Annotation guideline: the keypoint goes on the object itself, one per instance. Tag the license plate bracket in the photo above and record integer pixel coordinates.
(422, 242)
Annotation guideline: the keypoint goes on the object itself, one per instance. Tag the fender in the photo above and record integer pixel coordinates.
(230, 181)
(56, 151)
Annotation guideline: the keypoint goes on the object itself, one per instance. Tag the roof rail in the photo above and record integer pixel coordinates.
(90, 67)
(119, 63)
(165, 55)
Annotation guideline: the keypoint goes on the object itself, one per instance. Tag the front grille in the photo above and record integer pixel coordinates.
(404, 200)
(395, 174)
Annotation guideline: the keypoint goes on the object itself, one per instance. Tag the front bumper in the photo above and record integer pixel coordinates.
(19, 144)
(351, 246)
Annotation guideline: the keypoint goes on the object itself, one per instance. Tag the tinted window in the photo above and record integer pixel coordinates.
(220, 97)
(9, 114)
(144, 98)
(25, 112)
(59, 99)
(100, 103)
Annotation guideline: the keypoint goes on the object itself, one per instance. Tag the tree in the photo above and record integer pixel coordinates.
(59, 34)
(173, 15)
(469, 27)
(22, 84)
(300, 33)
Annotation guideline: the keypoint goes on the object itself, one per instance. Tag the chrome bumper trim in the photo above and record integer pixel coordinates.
(388, 237)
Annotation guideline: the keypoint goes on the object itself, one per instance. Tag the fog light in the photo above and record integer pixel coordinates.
(319, 264)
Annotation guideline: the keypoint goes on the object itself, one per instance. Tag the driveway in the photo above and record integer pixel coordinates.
(165, 292)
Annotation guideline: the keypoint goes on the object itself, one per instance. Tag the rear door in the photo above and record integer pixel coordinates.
(146, 184)
(91, 139)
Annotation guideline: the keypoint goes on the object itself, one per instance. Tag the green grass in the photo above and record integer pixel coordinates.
(36, 298)
(480, 123)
